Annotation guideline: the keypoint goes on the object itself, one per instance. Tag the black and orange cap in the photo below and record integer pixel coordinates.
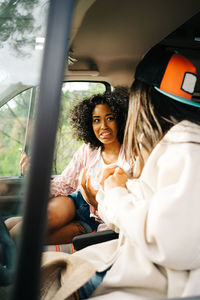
(169, 73)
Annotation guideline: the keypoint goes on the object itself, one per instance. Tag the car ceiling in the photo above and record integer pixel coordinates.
(109, 37)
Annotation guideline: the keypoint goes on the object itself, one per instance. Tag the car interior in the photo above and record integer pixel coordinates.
(75, 42)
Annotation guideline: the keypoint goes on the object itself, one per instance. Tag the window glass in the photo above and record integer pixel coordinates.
(15, 122)
(66, 144)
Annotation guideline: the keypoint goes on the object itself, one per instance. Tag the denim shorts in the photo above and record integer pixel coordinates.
(83, 212)
(90, 286)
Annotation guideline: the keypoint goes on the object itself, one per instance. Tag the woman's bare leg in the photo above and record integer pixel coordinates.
(61, 211)
(65, 234)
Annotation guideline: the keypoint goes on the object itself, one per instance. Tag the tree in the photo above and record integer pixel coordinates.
(17, 24)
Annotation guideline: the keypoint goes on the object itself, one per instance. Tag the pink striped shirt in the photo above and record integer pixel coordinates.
(67, 182)
(84, 157)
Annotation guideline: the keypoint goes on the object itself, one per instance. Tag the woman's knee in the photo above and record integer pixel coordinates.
(61, 210)
(65, 234)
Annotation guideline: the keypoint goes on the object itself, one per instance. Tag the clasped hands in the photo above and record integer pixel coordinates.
(108, 178)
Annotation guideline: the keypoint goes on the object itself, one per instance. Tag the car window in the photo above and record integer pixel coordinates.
(16, 119)
(66, 144)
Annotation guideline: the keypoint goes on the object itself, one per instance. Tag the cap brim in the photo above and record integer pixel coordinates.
(177, 98)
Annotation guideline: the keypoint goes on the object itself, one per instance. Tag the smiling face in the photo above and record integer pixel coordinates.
(104, 124)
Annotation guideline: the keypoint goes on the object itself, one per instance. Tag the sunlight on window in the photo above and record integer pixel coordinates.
(75, 86)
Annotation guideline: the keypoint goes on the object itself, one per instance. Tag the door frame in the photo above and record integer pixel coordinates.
(27, 279)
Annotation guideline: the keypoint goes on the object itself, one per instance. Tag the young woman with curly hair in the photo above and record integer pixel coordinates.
(99, 122)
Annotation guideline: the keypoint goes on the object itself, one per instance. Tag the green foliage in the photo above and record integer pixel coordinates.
(17, 24)
(12, 132)
(9, 163)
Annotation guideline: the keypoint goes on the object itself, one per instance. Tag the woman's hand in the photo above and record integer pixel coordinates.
(24, 164)
(87, 191)
(104, 174)
(112, 177)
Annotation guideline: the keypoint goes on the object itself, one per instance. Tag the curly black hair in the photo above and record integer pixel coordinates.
(81, 115)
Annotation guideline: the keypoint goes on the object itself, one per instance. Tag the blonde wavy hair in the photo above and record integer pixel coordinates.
(145, 126)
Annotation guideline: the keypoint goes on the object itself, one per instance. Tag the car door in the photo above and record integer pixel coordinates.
(26, 284)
